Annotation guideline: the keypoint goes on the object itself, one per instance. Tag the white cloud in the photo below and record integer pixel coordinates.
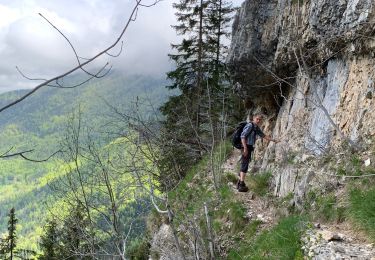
(29, 42)
(8, 16)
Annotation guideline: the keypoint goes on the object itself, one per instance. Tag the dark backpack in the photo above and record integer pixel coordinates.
(236, 137)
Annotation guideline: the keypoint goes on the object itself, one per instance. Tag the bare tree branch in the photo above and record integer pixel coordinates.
(81, 65)
(22, 155)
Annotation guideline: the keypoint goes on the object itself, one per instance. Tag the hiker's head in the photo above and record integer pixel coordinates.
(258, 118)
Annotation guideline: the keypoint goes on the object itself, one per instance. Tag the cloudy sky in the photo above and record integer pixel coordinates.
(29, 42)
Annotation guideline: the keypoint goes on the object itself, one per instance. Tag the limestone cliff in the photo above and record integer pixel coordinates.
(300, 61)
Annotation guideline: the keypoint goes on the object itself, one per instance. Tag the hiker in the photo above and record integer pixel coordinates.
(248, 138)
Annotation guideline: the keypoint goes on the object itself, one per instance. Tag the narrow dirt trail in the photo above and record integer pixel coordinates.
(320, 242)
(256, 207)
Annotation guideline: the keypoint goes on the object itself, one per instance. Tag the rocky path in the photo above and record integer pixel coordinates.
(256, 207)
(320, 242)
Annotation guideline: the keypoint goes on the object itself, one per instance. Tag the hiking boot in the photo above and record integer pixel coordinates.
(242, 187)
(238, 184)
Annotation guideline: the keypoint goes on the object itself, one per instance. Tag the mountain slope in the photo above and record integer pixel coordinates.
(39, 122)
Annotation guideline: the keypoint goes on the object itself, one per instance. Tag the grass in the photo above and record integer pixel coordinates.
(230, 177)
(280, 242)
(220, 154)
(232, 212)
(325, 207)
(259, 183)
(195, 189)
(362, 210)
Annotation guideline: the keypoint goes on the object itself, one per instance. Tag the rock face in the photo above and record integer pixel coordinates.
(163, 246)
(310, 66)
(324, 244)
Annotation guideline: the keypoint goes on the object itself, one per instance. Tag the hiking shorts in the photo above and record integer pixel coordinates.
(246, 160)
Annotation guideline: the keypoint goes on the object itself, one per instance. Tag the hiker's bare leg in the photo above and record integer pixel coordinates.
(242, 176)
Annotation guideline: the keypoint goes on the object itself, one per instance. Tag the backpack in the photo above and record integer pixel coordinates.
(236, 137)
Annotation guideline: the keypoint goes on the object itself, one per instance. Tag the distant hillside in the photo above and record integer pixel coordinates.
(38, 123)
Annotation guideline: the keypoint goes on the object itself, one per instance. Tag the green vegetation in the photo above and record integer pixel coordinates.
(259, 183)
(295, 2)
(326, 207)
(138, 249)
(291, 157)
(232, 211)
(228, 215)
(353, 166)
(195, 195)
(196, 119)
(362, 209)
(280, 242)
(39, 122)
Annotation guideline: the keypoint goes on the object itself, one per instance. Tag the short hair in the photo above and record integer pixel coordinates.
(260, 115)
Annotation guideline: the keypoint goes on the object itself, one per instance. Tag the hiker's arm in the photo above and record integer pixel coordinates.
(269, 138)
(244, 145)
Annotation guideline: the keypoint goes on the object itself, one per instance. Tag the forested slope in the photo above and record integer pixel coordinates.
(39, 124)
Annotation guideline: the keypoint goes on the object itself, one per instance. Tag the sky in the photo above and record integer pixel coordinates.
(39, 51)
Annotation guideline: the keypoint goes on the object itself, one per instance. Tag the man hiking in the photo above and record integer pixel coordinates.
(248, 138)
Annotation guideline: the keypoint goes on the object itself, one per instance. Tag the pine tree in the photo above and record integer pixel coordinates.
(8, 244)
(201, 77)
(66, 239)
(49, 241)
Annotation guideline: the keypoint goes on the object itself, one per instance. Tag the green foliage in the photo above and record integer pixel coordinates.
(291, 156)
(251, 229)
(310, 200)
(232, 211)
(352, 166)
(230, 177)
(326, 207)
(259, 183)
(362, 209)
(9, 243)
(225, 192)
(61, 240)
(197, 193)
(356, 161)
(194, 118)
(38, 124)
(280, 242)
(49, 241)
(138, 249)
(341, 171)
